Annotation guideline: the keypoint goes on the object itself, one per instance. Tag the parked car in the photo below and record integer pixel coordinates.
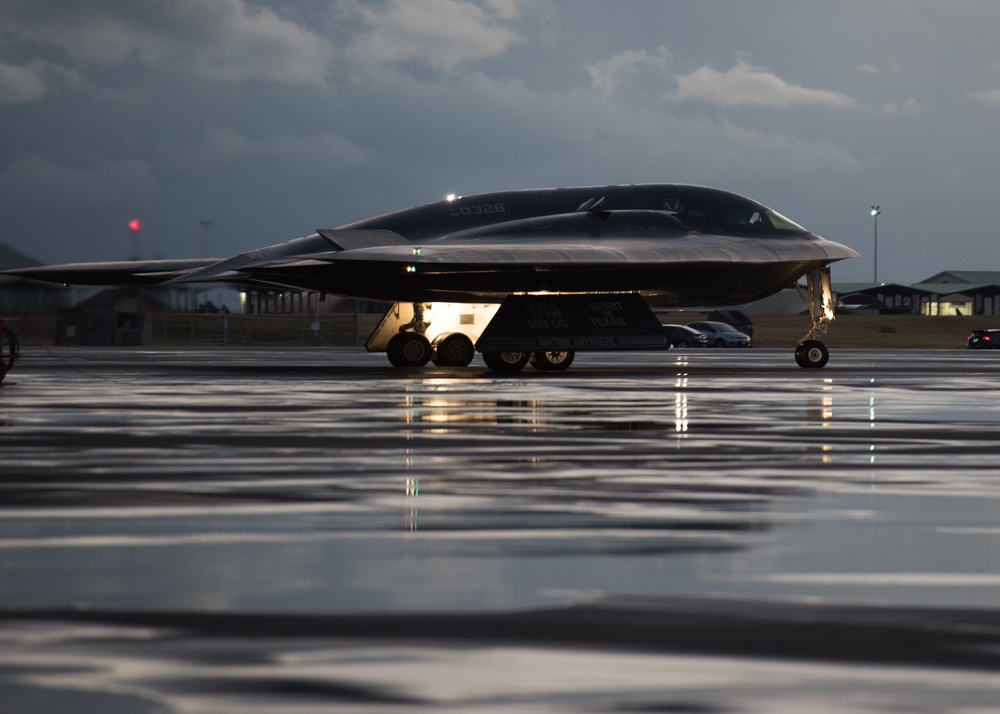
(684, 336)
(721, 335)
(984, 340)
(736, 318)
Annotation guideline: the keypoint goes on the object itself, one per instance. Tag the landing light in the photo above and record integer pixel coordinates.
(452, 197)
(411, 268)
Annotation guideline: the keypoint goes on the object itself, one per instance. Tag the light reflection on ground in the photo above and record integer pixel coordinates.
(322, 482)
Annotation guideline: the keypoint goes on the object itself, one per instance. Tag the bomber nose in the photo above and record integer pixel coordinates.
(836, 251)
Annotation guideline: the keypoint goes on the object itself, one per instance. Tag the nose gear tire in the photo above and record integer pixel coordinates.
(811, 354)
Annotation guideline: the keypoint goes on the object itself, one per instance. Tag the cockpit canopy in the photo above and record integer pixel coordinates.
(698, 208)
(714, 211)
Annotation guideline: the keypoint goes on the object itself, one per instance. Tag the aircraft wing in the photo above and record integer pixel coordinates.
(704, 269)
(126, 272)
(553, 254)
(228, 270)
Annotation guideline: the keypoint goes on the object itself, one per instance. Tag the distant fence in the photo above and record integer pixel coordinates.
(237, 329)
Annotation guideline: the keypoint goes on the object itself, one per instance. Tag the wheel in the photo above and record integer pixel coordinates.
(453, 350)
(505, 361)
(681, 343)
(811, 354)
(409, 349)
(552, 361)
(9, 350)
(720, 343)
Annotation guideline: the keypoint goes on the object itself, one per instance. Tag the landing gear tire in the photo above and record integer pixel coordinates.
(409, 349)
(811, 354)
(552, 361)
(453, 350)
(9, 350)
(505, 361)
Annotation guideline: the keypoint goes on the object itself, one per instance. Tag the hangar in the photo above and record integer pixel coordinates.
(951, 292)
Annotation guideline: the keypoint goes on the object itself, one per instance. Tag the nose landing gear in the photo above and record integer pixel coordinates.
(818, 298)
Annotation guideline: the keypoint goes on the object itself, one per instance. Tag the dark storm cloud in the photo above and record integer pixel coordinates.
(219, 39)
(22, 83)
(274, 117)
(31, 176)
(440, 33)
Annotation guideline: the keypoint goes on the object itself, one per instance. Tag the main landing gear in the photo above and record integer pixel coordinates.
(552, 361)
(412, 349)
(818, 297)
(406, 336)
(409, 347)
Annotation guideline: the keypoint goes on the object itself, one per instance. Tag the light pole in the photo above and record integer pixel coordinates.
(876, 210)
(134, 227)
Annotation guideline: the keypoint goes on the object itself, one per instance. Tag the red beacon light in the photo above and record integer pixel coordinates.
(134, 225)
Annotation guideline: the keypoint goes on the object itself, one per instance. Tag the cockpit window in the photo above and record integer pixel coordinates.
(781, 223)
(742, 216)
(712, 211)
(739, 215)
(687, 206)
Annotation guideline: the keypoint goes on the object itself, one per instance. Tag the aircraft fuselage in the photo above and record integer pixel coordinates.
(678, 244)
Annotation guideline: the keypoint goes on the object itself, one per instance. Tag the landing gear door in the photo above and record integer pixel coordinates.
(532, 323)
(401, 313)
(431, 319)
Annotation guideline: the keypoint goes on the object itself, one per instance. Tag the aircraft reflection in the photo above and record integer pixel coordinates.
(453, 413)
(871, 417)
(681, 397)
(353, 488)
(646, 467)
(412, 491)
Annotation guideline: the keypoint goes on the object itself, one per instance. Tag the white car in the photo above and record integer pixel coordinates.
(722, 335)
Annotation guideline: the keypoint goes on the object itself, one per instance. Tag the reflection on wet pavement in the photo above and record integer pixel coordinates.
(324, 483)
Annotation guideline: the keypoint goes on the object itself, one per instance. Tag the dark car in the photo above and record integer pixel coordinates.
(684, 336)
(984, 340)
(736, 318)
(721, 334)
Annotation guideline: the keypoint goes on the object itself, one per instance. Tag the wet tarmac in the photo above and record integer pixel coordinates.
(311, 530)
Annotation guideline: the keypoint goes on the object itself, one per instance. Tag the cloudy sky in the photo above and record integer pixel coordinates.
(231, 124)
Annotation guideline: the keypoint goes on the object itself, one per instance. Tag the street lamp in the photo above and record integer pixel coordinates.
(876, 210)
(133, 227)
